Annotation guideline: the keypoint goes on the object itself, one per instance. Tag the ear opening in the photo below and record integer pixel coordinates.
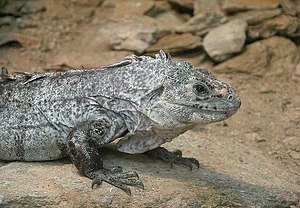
(154, 94)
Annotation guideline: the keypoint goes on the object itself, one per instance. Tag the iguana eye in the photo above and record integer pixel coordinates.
(200, 89)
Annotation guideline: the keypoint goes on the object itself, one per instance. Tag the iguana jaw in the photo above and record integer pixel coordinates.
(195, 115)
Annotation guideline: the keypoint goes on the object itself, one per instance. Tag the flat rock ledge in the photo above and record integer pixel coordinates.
(58, 184)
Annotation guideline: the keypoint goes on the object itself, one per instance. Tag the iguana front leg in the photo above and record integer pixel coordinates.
(174, 157)
(83, 151)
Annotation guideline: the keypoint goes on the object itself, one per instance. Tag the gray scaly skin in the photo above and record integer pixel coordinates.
(144, 101)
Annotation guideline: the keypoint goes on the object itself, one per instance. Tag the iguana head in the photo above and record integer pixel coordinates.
(175, 96)
(194, 96)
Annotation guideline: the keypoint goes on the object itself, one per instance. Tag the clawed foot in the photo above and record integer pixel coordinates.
(116, 177)
(174, 157)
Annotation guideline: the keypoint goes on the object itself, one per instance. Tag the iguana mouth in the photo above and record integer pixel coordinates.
(213, 109)
(208, 109)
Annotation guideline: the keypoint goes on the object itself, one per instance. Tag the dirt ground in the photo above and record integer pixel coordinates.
(259, 146)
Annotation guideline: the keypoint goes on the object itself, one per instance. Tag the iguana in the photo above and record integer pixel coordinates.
(143, 101)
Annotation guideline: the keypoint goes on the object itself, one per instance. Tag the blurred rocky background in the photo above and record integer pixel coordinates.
(251, 160)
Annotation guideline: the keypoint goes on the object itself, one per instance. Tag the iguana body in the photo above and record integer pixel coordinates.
(144, 101)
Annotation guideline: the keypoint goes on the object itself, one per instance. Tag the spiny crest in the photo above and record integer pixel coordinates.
(25, 77)
(5, 76)
(162, 56)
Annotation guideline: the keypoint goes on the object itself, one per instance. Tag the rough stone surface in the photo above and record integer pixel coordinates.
(196, 58)
(204, 6)
(201, 24)
(289, 7)
(297, 70)
(168, 19)
(242, 5)
(133, 33)
(23, 40)
(58, 184)
(132, 7)
(297, 6)
(223, 41)
(93, 3)
(274, 56)
(177, 43)
(293, 142)
(283, 25)
(257, 16)
(4, 21)
(183, 4)
(253, 60)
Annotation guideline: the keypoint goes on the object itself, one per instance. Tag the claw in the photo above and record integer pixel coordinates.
(116, 177)
(133, 182)
(195, 162)
(96, 181)
(177, 152)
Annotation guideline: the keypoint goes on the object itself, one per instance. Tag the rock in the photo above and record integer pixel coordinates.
(204, 6)
(196, 58)
(176, 43)
(201, 23)
(233, 6)
(6, 21)
(182, 5)
(295, 155)
(27, 23)
(12, 9)
(283, 25)
(25, 41)
(132, 7)
(58, 184)
(32, 7)
(225, 40)
(168, 18)
(289, 7)
(257, 16)
(297, 6)
(57, 11)
(275, 56)
(49, 44)
(132, 33)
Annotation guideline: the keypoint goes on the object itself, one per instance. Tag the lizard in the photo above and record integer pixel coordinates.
(137, 104)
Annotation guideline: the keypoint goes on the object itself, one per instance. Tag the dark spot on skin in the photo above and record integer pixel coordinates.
(63, 149)
(19, 144)
(138, 143)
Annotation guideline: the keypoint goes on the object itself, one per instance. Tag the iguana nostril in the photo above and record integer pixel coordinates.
(230, 97)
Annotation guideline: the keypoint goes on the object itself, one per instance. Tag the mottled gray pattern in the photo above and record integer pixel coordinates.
(153, 99)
